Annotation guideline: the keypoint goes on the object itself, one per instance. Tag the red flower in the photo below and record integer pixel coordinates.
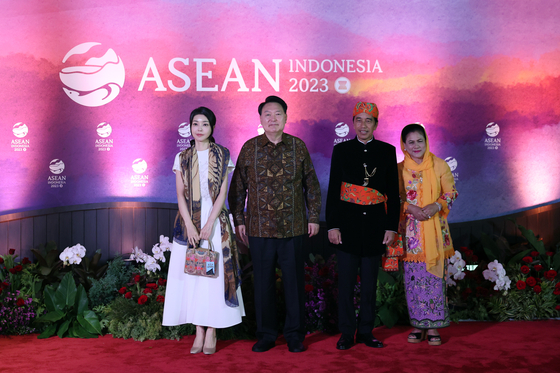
(531, 281)
(143, 299)
(147, 291)
(474, 258)
(161, 281)
(525, 269)
(128, 295)
(538, 267)
(324, 272)
(137, 278)
(122, 290)
(20, 302)
(6, 285)
(482, 292)
(308, 268)
(468, 252)
(556, 291)
(26, 261)
(557, 307)
(359, 279)
(521, 284)
(463, 248)
(160, 298)
(557, 285)
(411, 195)
(550, 275)
(1, 260)
(537, 289)
(152, 285)
(11, 251)
(534, 253)
(18, 268)
(12, 271)
(549, 253)
(308, 288)
(528, 259)
(307, 278)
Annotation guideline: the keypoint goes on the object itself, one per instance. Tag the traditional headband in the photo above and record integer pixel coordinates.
(366, 107)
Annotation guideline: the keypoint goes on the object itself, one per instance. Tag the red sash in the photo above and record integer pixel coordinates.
(365, 196)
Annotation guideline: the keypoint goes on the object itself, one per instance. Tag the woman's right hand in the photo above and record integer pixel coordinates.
(192, 234)
(418, 213)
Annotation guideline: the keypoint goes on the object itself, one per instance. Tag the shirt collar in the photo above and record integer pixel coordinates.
(365, 143)
(262, 140)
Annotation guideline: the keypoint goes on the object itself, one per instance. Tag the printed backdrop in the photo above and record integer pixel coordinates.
(96, 95)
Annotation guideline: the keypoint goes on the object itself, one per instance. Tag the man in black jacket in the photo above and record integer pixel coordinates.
(362, 217)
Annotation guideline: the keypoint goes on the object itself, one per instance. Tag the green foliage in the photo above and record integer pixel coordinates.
(67, 312)
(525, 304)
(128, 319)
(90, 270)
(104, 290)
(391, 299)
(49, 265)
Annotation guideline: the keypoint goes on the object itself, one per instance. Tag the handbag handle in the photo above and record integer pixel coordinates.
(210, 246)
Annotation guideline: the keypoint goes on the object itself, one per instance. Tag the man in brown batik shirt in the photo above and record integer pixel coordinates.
(275, 174)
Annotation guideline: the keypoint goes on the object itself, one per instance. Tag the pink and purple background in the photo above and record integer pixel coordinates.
(453, 66)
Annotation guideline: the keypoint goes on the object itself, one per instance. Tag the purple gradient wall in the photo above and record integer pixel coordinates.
(104, 86)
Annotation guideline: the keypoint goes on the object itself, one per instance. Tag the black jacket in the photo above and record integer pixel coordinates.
(363, 227)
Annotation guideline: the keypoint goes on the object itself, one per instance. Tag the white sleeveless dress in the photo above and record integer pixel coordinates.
(194, 299)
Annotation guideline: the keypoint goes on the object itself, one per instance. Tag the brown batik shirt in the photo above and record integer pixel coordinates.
(277, 179)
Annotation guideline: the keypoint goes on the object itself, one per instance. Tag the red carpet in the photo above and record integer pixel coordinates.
(531, 346)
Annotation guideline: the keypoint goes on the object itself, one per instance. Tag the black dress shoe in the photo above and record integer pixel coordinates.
(369, 340)
(296, 346)
(345, 342)
(263, 346)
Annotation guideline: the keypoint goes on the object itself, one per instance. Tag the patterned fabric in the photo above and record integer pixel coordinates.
(278, 180)
(366, 107)
(360, 195)
(218, 160)
(426, 297)
(423, 184)
(411, 192)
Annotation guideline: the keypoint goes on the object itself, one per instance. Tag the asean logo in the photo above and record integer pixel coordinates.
(451, 162)
(139, 166)
(492, 129)
(104, 129)
(184, 129)
(56, 166)
(96, 81)
(20, 130)
(341, 129)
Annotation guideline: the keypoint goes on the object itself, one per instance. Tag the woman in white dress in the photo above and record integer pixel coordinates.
(201, 180)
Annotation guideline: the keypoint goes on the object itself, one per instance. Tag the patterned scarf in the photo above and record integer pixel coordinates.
(218, 159)
(431, 189)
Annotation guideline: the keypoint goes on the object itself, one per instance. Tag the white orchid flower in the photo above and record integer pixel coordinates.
(164, 243)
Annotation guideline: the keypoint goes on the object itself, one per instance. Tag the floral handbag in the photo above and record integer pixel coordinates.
(390, 260)
(202, 262)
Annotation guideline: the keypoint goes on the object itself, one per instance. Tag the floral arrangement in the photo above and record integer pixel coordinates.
(519, 281)
(321, 293)
(16, 312)
(496, 273)
(151, 262)
(73, 255)
(455, 269)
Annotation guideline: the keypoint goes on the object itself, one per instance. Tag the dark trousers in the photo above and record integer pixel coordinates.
(288, 253)
(348, 265)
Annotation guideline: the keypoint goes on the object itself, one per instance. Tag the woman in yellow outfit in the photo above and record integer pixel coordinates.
(427, 191)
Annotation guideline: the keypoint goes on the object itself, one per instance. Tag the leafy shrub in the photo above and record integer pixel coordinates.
(104, 290)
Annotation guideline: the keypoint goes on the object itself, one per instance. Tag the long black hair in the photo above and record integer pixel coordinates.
(209, 115)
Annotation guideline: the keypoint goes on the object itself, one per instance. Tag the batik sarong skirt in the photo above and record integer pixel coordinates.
(426, 297)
